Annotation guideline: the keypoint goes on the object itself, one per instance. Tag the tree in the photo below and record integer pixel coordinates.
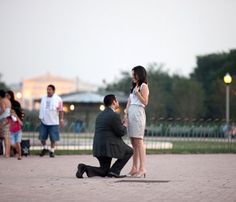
(160, 99)
(122, 85)
(3, 86)
(209, 72)
(188, 97)
(169, 96)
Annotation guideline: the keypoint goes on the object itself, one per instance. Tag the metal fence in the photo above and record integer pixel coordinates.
(171, 136)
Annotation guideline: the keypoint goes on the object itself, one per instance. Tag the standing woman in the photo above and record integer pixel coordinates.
(135, 112)
(15, 122)
(5, 108)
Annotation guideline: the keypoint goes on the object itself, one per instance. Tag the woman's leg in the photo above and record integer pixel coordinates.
(7, 145)
(134, 168)
(142, 156)
(18, 150)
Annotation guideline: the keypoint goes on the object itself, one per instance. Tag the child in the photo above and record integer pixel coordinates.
(15, 132)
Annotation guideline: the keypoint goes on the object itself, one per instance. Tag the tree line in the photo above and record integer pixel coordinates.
(199, 96)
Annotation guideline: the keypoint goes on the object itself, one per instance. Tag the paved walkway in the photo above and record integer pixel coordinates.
(169, 178)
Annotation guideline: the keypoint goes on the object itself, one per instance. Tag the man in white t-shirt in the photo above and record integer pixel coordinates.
(51, 116)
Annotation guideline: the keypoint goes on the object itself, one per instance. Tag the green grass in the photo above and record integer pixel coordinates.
(64, 152)
(193, 147)
(179, 147)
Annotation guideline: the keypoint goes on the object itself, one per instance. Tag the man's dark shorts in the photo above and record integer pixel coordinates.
(49, 130)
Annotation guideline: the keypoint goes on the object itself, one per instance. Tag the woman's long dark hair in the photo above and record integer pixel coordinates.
(15, 105)
(12, 97)
(140, 72)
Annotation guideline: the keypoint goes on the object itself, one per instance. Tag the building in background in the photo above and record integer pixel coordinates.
(34, 88)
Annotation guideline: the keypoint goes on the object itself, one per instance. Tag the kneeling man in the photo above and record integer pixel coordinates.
(108, 143)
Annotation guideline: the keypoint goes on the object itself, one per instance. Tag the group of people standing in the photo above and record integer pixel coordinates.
(11, 116)
(109, 128)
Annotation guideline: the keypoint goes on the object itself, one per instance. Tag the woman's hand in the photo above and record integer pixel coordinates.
(136, 90)
(13, 112)
(142, 94)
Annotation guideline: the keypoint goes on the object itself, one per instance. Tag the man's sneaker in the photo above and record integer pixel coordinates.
(51, 154)
(43, 152)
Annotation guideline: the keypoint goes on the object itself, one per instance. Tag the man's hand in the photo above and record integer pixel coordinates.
(62, 124)
(125, 122)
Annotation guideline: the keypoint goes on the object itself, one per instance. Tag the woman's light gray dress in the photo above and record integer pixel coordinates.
(136, 117)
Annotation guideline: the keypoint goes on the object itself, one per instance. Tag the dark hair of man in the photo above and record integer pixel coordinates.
(108, 99)
(141, 73)
(52, 87)
(2, 93)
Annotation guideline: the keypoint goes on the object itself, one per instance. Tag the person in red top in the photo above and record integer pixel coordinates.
(15, 132)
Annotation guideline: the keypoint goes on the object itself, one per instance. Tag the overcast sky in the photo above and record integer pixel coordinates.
(97, 39)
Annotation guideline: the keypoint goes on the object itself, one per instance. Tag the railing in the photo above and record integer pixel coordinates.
(165, 136)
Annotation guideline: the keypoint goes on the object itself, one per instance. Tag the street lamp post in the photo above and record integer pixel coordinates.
(227, 80)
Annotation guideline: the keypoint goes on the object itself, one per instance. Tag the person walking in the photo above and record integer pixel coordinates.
(108, 143)
(135, 113)
(51, 115)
